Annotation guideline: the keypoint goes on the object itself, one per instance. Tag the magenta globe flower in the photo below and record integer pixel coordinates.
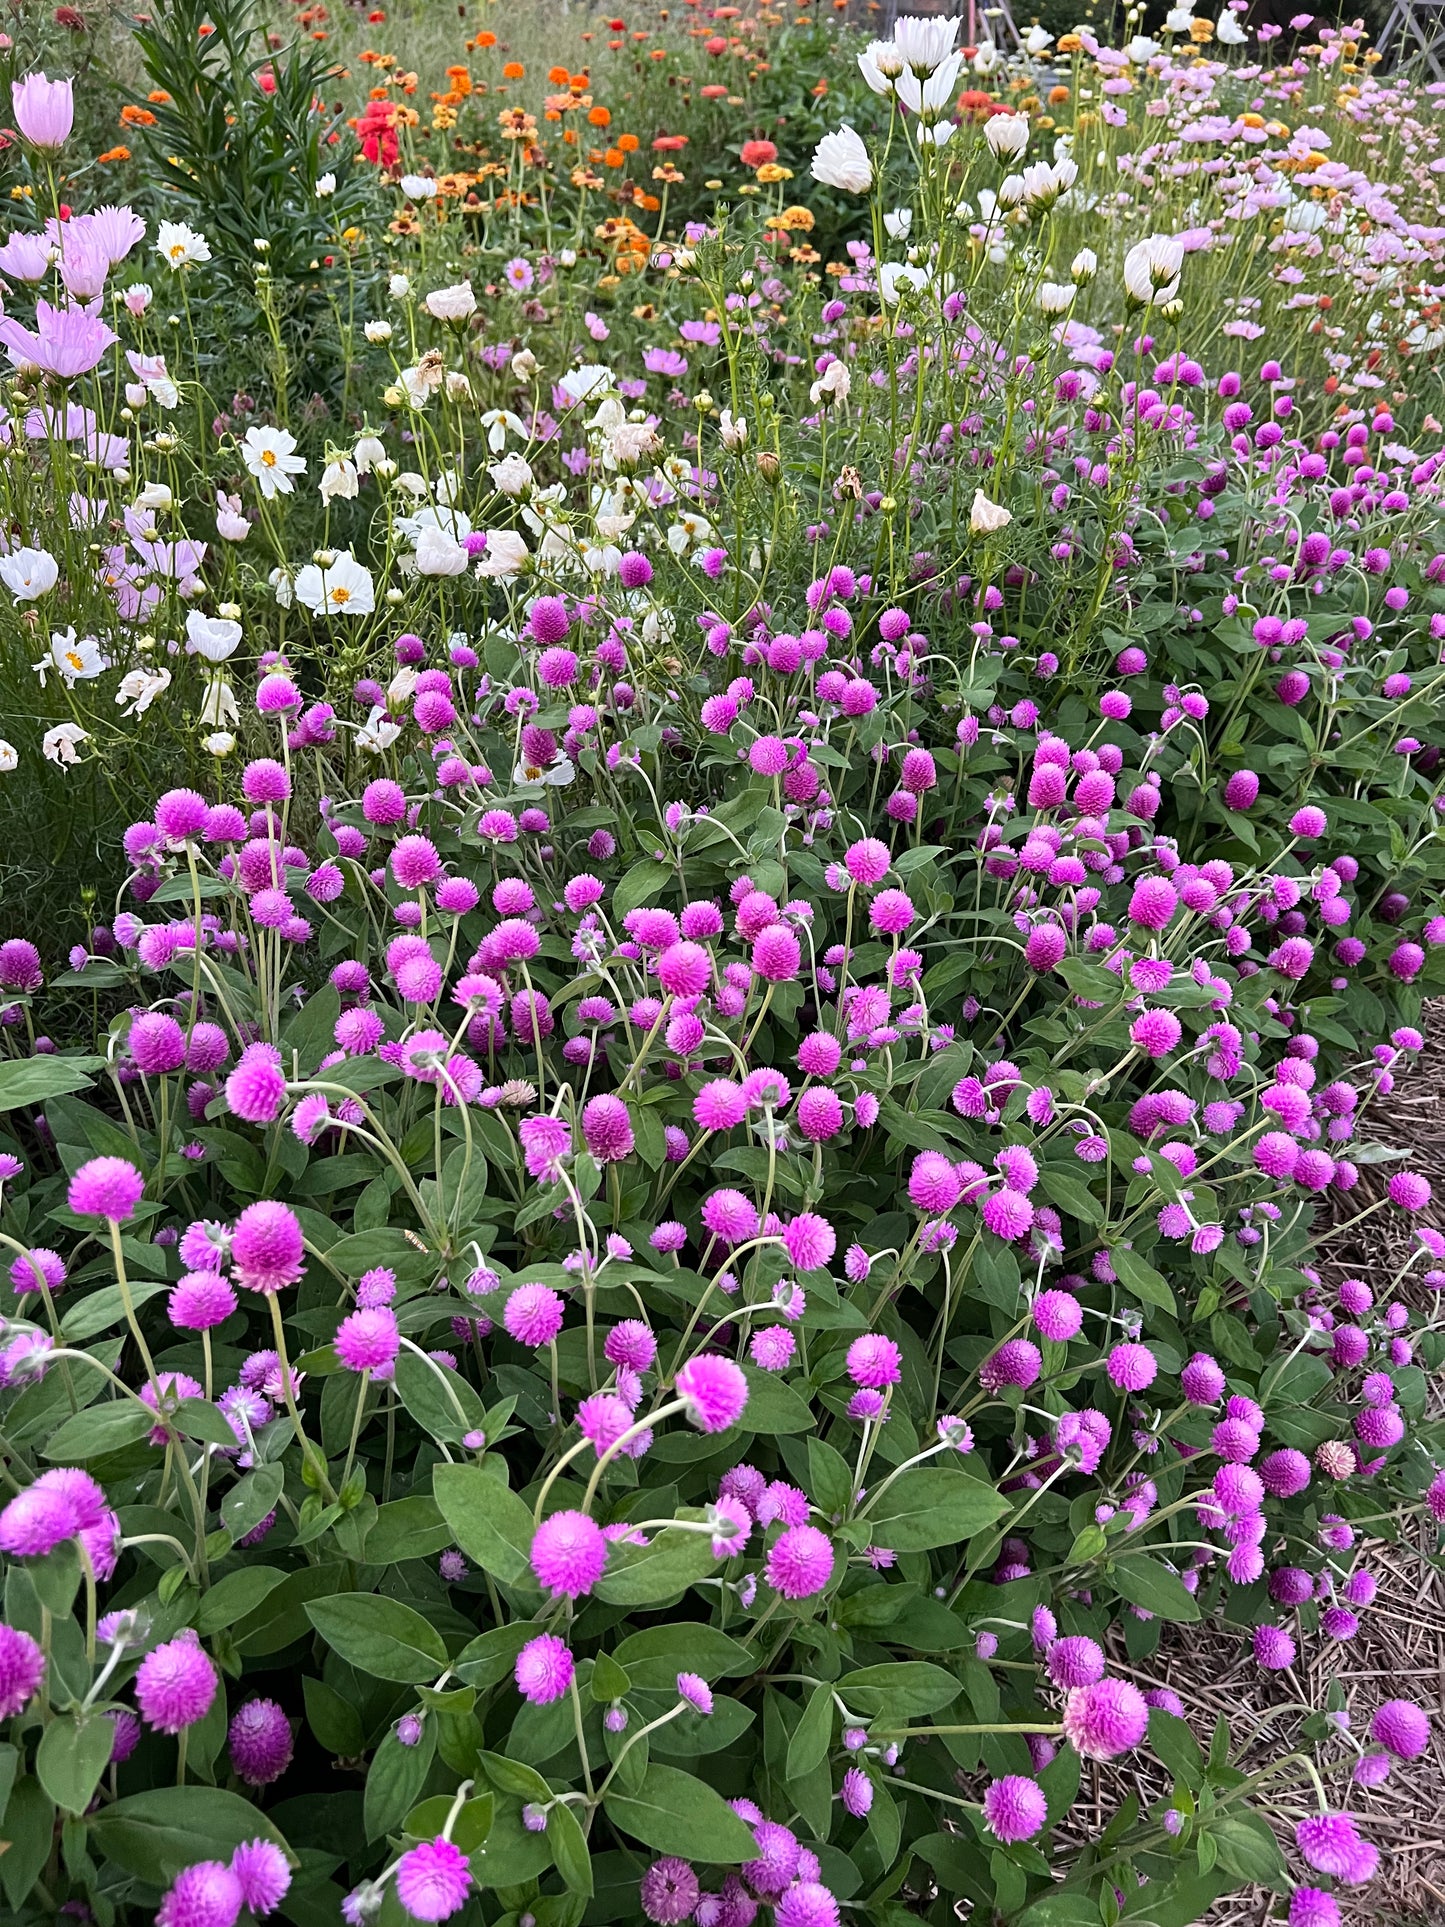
(175, 1684)
(22, 1667)
(1105, 1719)
(106, 1188)
(1014, 1808)
(544, 1669)
(801, 1563)
(568, 1554)
(433, 1880)
(267, 1248)
(259, 1738)
(714, 1392)
(208, 1894)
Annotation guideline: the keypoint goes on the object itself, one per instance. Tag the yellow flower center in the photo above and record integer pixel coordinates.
(268, 457)
(339, 595)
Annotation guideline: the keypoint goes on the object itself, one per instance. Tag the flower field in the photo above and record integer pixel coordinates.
(720, 837)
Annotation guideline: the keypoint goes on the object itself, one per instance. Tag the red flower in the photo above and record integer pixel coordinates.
(757, 153)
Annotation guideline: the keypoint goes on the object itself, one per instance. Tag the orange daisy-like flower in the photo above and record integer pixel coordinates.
(599, 117)
(629, 143)
(514, 70)
(669, 143)
(559, 76)
(112, 154)
(136, 116)
(158, 97)
(461, 80)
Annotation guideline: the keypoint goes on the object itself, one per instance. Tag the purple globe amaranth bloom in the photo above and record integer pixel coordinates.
(568, 1554)
(1015, 1808)
(208, 1894)
(668, 1892)
(1105, 1719)
(801, 1563)
(264, 1873)
(176, 1684)
(1402, 1728)
(433, 1880)
(106, 1188)
(22, 1668)
(267, 1247)
(1331, 1843)
(65, 342)
(544, 1669)
(714, 1392)
(260, 1742)
(607, 1129)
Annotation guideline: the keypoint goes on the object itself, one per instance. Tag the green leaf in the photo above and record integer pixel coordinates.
(105, 1428)
(395, 1778)
(774, 1407)
(381, 1637)
(469, 1829)
(155, 1834)
(1062, 1910)
(569, 1849)
(34, 1080)
(99, 1310)
(653, 1658)
(515, 1777)
(933, 1506)
(235, 1595)
(199, 1419)
(29, 1834)
(645, 1575)
(812, 1734)
(489, 1658)
(674, 1812)
(440, 1400)
(72, 1755)
(250, 1499)
(1176, 1748)
(1146, 1582)
(645, 880)
(903, 1688)
(1142, 1280)
(334, 1720)
(1071, 1194)
(489, 1522)
(407, 1529)
(1248, 1850)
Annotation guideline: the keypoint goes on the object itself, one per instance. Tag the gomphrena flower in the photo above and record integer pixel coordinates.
(1014, 1808)
(106, 1188)
(714, 1392)
(260, 1742)
(264, 1873)
(368, 1340)
(544, 1669)
(1105, 1719)
(207, 1894)
(568, 1554)
(668, 1892)
(22, 1667)
(175, 1684)
(433, 1880)
(800, 1563)
(267, 1247)
(1401, 1727)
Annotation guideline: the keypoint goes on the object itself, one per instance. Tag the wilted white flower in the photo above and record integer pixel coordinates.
(451, 304)
(342, 588)
(180, 246)
(732, 433)
(9, 757)
(439, 553)
(377, 331)
(59, 745)
(377, 733)
(831, 386)
(524, 364)
(1036, 41)
(841, 160)
(139, 689)
(282, 587)
(339, 478)
(369, 453)
(512, 475)
(986, 517)
(506, 554)
(398, 287)
(1179, 19)
(269, 453)
(219, 743)
(218, 707)
(28, 573)
(325, 187)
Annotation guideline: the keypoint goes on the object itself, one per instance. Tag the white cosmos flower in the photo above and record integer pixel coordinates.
(213, 638)
(506, 554)
(1228, 31)
(219, 704)
(269, 453)
(59, 745)
(499, 423)
(841, 160)
(512, 475)
(398, 287)
(1036, 41)
(581, 384)
(219, 743)
(377, 733)
(421, 382)
(832, 385)
(1056, 297)
(1152, 268)
(9, 757)
(733, 434)
(339, 478)
(1179, 19)
(325, 187)
(343, 587)
(1007, 135)
(986, 517)
(418, 187)
(438, 553)
(898, 222)
(1141, 49)
(924, 44)
(139, 689)
(180, 246)
(451, 304)
(880, 64)
(1085, 265)
(155, 495)
(28, 573)
(894, 276)
(531, 776)
(77, 659)
(932, 97)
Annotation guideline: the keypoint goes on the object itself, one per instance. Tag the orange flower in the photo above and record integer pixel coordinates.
(485, 40)
(614, 157)
(112, 154)
(558, 76)
(461, 80)
(599, 117)
(158, 97)
(669, 143)
(629, 143)
(514, 70)
(136, 116)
